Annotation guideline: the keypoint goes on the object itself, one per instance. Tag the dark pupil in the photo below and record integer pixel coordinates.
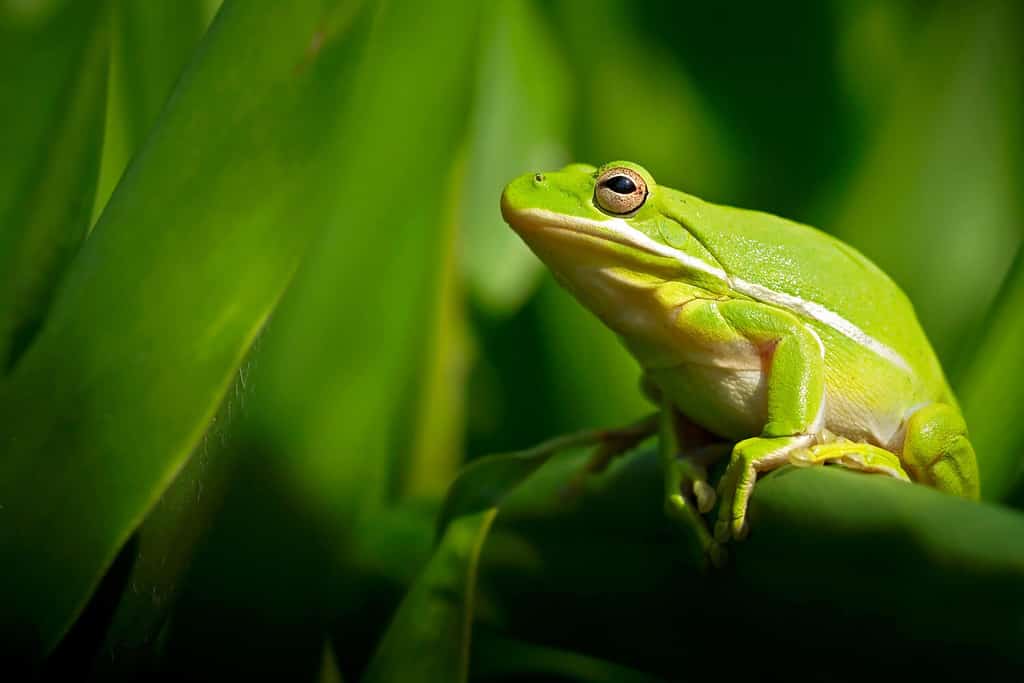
(620, 184)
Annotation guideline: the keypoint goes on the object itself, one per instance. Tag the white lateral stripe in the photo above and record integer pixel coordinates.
(630, 235)
(822, 315)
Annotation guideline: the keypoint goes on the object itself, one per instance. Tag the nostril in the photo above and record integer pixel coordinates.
(538, 178)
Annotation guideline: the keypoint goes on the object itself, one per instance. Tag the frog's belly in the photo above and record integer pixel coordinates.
(727, 401)
(731, 401)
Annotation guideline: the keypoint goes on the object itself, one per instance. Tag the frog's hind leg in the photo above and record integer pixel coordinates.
(936, 451)
(855, 456)
(608, 444)
(686, 451)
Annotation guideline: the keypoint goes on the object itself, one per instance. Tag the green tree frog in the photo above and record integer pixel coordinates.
(764, 332)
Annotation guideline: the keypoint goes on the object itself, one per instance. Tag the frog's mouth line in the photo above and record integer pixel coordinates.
(619, 231)
(610, 230)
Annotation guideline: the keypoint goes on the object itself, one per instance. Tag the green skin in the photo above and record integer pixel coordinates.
(761, 331)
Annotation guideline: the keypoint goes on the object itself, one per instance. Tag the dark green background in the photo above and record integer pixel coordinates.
(259, 308)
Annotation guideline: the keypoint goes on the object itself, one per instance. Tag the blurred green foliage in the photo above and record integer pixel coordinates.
(259, 308)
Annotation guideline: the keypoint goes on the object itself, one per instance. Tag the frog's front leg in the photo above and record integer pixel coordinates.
(794, 373)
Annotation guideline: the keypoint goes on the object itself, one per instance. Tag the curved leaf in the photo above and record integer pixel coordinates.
(51, 130)
(153, 42)
(520, 122)
(429, 637)
(486, 482)
(832, 555)
(935, 180)
(157, 311)
(992, 392)
(341, 369)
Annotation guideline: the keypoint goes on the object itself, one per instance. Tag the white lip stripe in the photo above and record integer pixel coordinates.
(630, 235)
(627, 233)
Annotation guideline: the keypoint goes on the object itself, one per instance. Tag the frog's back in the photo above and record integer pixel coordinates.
(819, 278)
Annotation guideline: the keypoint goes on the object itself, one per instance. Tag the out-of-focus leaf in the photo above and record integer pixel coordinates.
(875, 37)
(336, 384)
(51, 130)
(163, 301)
(329, 672)
(429, 638)
(339, 369)
(635, 102)
(520, 124)
(157, 40)
(484, 483)
(439, 425)
(592, 377)
(152, 44)
(260, 565)
(991, 391)
(936, 202)
(639, 103)
(607, 575)
(164, 545)
(496, 658)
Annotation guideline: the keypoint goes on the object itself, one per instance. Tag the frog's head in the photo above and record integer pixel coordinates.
(607, 233)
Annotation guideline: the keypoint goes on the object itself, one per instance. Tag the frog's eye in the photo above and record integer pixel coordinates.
(620, 191)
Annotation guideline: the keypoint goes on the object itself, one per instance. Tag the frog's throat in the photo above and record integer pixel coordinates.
(619, 231)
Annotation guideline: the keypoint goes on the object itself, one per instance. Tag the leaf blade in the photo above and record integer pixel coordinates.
(429, 637)
(163, 302)
(51, 144)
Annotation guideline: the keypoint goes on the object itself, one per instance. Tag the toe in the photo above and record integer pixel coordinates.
(705, 496)
(722, 532)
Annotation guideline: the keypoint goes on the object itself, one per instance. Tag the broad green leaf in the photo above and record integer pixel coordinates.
(340, 370)
(337, 382)
(935, 570)
(164, 545)
(153, 42)
(520, 124)
(429, 637)
(607, 575)
(936, 200)
(51, 129)
(991, 390)
(158, 309)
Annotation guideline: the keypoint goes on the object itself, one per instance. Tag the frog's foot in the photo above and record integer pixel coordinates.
(749, 457)
(684, 512)
(938, 453)
(688, 473)
(855, 456)
(687, 496)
